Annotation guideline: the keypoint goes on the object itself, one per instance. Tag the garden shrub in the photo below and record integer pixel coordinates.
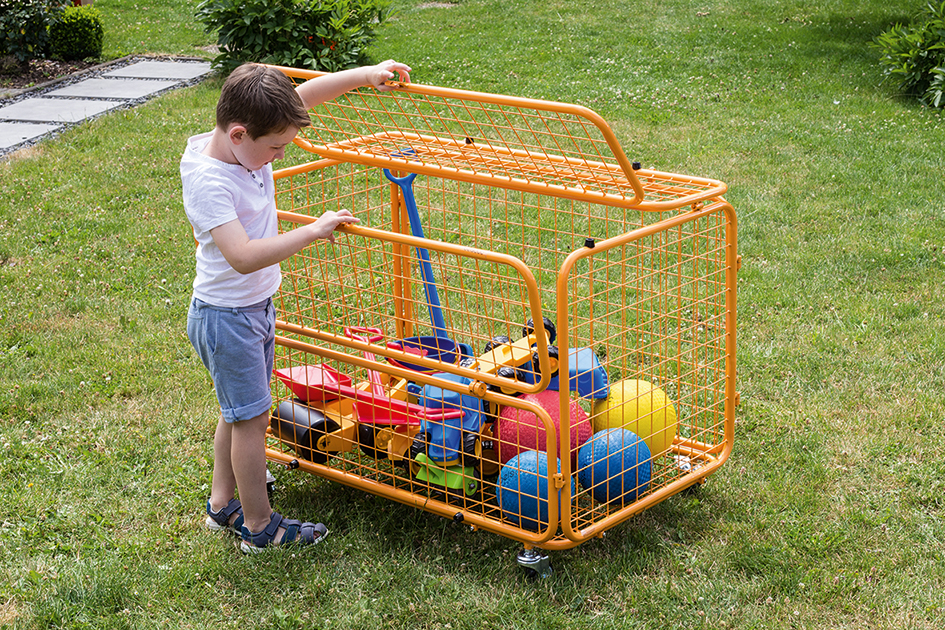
(24, 25)
(77, 34)
(915, 55)
(326, 35)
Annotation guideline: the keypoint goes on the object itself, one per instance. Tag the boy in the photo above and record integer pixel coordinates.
(229, 197)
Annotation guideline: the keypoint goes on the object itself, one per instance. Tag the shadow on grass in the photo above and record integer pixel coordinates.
(403, 536)
(848, 38)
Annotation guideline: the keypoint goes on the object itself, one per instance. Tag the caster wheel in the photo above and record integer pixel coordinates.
(536, 562)
(533, 575)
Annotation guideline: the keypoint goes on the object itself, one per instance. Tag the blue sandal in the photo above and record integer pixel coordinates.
(296, 532)
(220, 521)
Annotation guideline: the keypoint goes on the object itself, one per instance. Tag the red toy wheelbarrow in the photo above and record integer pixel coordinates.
(385, 425)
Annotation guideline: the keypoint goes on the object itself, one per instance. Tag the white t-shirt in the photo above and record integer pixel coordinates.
(216, 193)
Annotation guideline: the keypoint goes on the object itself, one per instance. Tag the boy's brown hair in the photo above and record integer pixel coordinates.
(262, 99)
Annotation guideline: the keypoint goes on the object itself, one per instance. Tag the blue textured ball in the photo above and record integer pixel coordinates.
(522, 491)
(614, 465)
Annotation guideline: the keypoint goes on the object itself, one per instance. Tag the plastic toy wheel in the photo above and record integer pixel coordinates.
(552, 359)
(521, 374)
(495, 342)
(471, 450)
(320, 430)
(302, 427)
(510, 373)
(419, 444)
(403, 463)
(488, 455)
(470, 493)
(529, 328)
(417, 447)
(490, 411)
(367, 441)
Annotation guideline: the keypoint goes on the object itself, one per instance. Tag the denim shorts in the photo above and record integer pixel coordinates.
(237, 346)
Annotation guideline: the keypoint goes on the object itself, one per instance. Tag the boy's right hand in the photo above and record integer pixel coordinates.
(379, 75)
(324, 226)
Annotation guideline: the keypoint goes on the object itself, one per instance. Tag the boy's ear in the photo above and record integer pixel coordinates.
(237, 133)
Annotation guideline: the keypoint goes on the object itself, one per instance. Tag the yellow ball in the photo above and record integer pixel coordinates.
(640, 407)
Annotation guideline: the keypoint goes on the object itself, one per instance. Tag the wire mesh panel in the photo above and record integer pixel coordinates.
(550, 148)
(523, 332)
(655, 308)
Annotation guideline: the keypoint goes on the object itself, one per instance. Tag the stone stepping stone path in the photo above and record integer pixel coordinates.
(46, 112)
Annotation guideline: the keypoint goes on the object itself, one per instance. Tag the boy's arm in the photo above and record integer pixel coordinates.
(246, 255)
(326, 87)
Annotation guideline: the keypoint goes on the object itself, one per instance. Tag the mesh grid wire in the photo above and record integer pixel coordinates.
(554, 148)
(653, 308)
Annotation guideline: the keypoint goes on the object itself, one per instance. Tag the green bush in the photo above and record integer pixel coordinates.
(326, 35)
(935, 95)
(77, 34)
(24, 27)
(915, 55)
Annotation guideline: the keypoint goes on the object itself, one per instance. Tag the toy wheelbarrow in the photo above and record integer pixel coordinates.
(306, 382)
(373, 412)
(380, 409)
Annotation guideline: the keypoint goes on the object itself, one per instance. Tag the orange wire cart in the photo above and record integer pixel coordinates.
(526, 332)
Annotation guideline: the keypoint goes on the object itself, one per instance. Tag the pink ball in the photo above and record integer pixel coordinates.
(518, 430)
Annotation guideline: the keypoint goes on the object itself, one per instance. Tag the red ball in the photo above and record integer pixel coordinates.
(518, 430)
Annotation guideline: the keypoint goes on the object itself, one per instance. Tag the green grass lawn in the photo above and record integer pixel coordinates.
(154, 26)
(830, 512)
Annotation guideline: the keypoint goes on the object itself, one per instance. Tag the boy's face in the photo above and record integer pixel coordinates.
(256, 153)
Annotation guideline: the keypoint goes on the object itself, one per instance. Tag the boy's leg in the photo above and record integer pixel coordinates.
(248, 464)
(223, 487)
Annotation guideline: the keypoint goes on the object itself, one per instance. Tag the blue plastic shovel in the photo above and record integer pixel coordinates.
(426, 270)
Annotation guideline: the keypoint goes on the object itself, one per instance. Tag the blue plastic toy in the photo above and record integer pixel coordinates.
(445, 437)
(587, 377)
